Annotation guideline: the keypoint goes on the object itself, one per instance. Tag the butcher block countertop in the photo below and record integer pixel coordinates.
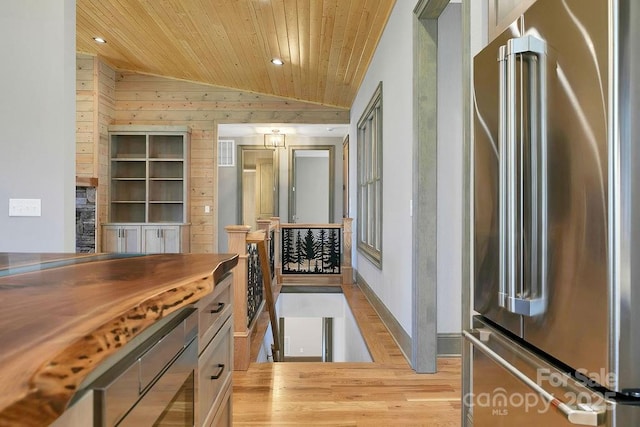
(63, 314)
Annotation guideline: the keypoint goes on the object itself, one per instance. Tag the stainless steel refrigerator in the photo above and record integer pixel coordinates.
(556, 334)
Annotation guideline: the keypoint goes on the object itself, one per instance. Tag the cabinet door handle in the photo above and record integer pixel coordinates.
(219, 309)
(216, 376)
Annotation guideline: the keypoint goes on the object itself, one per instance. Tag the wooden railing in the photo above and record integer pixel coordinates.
(287, 253)
(261, 241)
(252, 289)
(269, 226)
(255, 286)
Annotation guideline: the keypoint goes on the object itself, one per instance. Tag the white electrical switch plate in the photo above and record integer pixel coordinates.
(207, 209)
(25, 207)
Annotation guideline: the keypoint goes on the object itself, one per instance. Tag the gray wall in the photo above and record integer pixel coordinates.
(312, 189)
(37, 123)
(450, 154)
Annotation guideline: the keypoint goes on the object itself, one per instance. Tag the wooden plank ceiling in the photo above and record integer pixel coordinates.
(326, 45)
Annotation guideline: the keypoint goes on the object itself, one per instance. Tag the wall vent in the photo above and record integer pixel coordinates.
(226, 152)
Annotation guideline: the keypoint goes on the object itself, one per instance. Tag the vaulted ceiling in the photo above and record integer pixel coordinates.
(326, 45)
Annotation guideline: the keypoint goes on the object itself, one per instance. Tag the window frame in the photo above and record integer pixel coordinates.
(369, 180)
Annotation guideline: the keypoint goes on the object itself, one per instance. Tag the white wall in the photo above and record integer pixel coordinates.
(393, 65)
(348, 344)
(37, 123)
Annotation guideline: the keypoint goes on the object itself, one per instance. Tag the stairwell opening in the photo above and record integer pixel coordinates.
(316, 325)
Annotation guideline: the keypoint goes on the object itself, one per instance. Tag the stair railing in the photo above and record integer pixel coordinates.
(251, 290)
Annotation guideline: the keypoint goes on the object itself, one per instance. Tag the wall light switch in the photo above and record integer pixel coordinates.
(25, 207)
(207, 209)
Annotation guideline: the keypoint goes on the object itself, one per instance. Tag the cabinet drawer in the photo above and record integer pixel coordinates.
(215, 366)
(224, 416)
(213, 310)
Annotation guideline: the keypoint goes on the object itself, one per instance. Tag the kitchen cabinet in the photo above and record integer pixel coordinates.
(79, 294)
(148, 186)
(215, 360)
(121, 238)
(145, 238)
(162, 239)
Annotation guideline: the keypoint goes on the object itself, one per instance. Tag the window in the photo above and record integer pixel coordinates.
(370, 179)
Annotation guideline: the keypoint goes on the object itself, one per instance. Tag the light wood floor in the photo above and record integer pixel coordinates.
(386, 392)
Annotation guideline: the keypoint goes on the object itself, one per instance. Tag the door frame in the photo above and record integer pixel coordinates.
(345, 177)
(332, 179)
(240, 149)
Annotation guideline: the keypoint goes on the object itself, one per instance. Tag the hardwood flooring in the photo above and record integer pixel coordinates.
(386, 392)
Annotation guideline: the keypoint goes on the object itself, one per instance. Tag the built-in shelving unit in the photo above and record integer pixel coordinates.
(148, 189)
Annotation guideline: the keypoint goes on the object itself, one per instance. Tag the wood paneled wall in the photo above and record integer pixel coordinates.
(95, 106)
(85, 95)
(150, 100)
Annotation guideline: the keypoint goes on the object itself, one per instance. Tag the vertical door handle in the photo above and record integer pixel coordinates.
(503, 190)
(522, 164)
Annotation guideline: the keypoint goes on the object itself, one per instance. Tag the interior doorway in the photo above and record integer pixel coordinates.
(257, 184)
(311, 183)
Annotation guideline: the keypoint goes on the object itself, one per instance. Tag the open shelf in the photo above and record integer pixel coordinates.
(148, 174)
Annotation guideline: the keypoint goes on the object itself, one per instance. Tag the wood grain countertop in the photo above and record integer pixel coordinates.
(63, 314)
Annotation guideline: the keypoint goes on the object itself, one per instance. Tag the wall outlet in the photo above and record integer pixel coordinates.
(25, 207)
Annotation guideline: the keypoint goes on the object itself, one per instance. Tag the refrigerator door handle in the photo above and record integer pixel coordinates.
(531, 301)
(580, 416)
(502, 179)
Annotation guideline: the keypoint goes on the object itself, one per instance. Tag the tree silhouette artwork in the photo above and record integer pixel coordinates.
(288, 249)
(322, 251)
(312, 251)
(309, 249)
(333, 256)
(299, 251)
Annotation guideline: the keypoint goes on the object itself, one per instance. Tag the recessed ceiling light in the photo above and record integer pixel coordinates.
(277, 61)
(99, 40)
